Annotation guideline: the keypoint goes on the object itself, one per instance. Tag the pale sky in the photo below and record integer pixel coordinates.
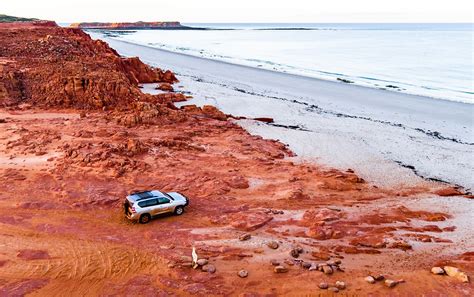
(311, 11)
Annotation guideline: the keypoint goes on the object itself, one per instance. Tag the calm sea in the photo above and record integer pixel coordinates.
(434, 60)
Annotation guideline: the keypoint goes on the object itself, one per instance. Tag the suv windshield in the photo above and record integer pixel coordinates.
(171, 198)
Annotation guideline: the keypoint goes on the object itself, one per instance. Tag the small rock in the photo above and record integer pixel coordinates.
(327, 269)
(209, 268)
(275, 262)
(280, 269)
(306, 265)
(313, 267)
(294, 253)
(245, 236)
(323, 286)
(455, 272)
(299, 249)
(333, 289)
(186, 259)
(340, 285)
(243, 273)
(390, 283)
(437, 270)
(171, 265)
(186, 264)
(202, 262)
(370, 279)
(275, 211)
(379, 277)
(273, 244)
(165, 87)
(338, 261)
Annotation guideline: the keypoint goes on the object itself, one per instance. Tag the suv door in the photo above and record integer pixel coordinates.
(164, 205)
(151, 205)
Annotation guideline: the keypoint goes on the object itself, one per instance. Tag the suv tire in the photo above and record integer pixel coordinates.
(144, 218)
(178, 210)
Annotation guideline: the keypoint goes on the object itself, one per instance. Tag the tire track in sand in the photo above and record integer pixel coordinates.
(70, 259)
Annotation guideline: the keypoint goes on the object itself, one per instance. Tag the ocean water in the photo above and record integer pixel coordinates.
(434, 60)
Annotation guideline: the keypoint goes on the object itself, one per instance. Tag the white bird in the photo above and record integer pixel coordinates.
(195, 258)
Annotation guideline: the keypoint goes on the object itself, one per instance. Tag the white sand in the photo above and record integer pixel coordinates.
(343, 126)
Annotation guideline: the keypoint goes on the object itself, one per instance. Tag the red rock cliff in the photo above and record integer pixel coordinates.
(50, 66)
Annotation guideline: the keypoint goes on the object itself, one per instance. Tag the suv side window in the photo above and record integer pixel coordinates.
(152, 202)
(163, 200)
(148, 203)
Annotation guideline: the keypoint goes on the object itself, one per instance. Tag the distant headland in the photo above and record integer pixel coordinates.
(131, 26)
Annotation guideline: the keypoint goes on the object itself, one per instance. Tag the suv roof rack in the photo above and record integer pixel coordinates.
(143, 195)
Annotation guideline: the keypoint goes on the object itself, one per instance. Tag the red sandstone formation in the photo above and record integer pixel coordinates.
(57, 67)
(136, 25)
(66, 164)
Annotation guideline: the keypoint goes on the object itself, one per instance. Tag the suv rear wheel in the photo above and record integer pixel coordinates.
(178, 210)
(144, 218)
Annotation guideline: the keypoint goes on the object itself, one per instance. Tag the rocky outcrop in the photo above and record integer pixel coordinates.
(135, 25)
(53, 67)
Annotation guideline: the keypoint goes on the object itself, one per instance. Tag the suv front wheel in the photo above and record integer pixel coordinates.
(144, 218)
(178, 210)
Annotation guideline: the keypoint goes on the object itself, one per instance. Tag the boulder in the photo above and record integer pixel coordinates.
(448, 192)
(214, 113)
(340, 285)
(323, 285)
(456, 273)
(165, 87)
(273, 244)
(243, 273)
(245, 237)
(294, 253)
(379, 277)
(437, 270)
(370, 279)
(391, 283)
(280, 269)
(209, 268)
(327, 269)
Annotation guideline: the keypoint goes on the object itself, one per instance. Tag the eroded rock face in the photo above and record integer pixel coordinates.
(50, 66)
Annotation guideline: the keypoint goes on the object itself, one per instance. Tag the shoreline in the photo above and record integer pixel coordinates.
(443, 127)
(339, 78)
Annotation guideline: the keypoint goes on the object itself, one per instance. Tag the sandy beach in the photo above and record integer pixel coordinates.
(390, 138)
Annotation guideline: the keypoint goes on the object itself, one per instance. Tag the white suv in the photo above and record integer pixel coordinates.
(142, 206)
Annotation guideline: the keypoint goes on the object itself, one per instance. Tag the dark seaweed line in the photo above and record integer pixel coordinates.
(433, 179)
(315, 108)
